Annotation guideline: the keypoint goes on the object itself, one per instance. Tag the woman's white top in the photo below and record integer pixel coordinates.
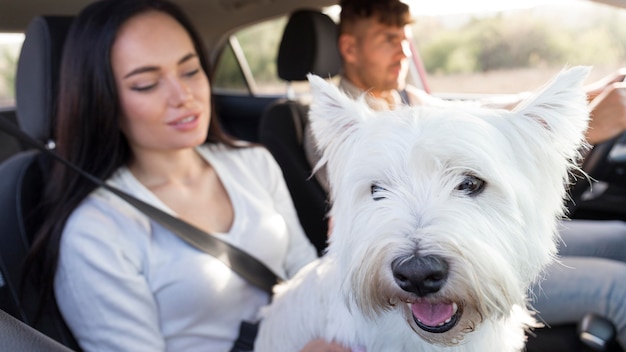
(124, 283)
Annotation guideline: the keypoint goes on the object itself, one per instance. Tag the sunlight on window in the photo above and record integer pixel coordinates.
(11, 38)
(447, 7)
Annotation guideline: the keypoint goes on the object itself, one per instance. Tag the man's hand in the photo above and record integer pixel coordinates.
(608, 110)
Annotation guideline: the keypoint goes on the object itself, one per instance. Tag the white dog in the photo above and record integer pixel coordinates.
(443, 218)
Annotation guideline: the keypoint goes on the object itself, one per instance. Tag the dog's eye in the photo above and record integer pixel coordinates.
(377, 191)
(471, 185)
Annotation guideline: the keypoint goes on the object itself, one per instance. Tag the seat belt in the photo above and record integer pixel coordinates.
(404, 96)
(244, 264)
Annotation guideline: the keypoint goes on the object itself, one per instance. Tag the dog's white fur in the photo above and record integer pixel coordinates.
(425, 164)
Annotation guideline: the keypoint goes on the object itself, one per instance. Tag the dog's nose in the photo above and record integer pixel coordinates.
(420, 275)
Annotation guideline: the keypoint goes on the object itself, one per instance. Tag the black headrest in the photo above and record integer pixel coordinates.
(37, 74)
(309, 45)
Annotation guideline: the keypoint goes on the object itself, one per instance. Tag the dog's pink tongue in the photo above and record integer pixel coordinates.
(432, 314)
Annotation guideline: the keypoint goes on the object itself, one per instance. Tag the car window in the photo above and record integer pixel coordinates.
(10, 45)
(228, 73)
(517, 49)
(248, 63)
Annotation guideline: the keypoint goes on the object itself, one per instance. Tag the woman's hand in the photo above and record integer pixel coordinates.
(319, 345)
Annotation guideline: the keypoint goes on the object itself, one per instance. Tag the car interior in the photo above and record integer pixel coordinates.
(304, 49)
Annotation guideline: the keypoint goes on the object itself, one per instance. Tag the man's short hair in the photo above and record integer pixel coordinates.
(388, 12)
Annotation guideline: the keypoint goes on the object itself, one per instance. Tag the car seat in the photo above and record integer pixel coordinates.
(308, 45)
(17, 336)
(22, 176)
(9, 145)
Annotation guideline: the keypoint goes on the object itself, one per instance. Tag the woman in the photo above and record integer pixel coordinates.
(134, 109)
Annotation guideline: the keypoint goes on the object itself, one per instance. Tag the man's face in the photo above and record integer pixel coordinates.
(377, 56)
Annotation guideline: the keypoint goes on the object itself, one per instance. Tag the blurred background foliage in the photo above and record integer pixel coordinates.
(521, 40)
(8, 62)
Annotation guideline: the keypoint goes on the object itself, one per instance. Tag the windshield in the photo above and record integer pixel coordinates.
(493, 46)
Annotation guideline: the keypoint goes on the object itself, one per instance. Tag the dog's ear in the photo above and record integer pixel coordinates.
(561, 109)
(333, 115)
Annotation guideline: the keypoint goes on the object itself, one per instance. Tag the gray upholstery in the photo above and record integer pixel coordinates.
(9, 145)
(17, 336)
(37, 74)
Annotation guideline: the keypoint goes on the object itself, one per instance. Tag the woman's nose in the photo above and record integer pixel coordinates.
(180, 92)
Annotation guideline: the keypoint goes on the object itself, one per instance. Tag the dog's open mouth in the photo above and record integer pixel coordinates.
(435, 317)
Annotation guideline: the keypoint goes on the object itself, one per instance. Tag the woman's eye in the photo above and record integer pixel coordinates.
(376, 192)
(144, 88)
(471, 185)
(191, 73)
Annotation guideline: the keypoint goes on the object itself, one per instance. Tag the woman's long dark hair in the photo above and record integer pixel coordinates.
(87, 122)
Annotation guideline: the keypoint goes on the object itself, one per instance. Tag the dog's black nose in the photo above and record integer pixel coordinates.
(420, 275)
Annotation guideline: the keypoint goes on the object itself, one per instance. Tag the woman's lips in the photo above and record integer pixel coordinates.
(186, 123)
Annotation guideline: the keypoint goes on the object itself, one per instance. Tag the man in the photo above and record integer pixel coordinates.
(374, 50)
(592, 274)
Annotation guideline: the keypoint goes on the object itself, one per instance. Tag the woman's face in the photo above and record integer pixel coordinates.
(163, 91)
